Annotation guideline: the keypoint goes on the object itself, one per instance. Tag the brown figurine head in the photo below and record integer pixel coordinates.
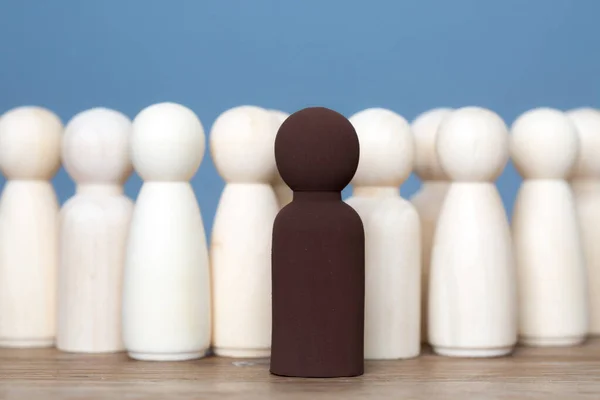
(316, 149)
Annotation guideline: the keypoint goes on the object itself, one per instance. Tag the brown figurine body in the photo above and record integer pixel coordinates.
(318, 255)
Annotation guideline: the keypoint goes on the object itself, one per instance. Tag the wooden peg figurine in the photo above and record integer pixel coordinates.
(94, 228)
(29, 157)
(472, 292)
(166, 288)
(551, 276)
(392, 235)
(241, 142)
(318, 256)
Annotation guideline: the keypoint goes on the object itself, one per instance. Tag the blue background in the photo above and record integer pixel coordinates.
(408, 56)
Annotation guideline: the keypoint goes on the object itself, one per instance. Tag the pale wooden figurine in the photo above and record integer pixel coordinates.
(472, 292)
(241, 142)
(392, 235)
(29, 157)
(94, 227)
(166, 293)
(553, 308)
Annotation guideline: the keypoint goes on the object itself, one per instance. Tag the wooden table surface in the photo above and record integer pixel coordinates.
(567, 373)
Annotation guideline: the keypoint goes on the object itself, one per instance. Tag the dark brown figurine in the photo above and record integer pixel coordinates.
(318, 255)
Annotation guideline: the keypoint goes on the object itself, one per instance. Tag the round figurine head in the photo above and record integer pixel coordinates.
(424, 129)
(472, 145)
(587, 122)
(167, 143)
(317, 149)
(95, 147)
(544, 144)
(30, 140)
(241, 144)
(386, 148)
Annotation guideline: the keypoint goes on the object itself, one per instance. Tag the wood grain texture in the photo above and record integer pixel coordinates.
(531, 374)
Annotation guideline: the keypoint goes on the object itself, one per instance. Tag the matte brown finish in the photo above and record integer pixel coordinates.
(318, 256)
(316, 149)
(568, 373)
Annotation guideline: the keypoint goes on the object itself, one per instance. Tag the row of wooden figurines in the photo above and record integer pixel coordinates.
(92, 247)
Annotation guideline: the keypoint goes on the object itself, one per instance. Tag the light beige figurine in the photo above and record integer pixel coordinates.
(93, 237)
(30, 140)
(429, 199)
(553, 308)
(585, 182)
(241, 143)
(283, 192)
(166, 290)
(472, 292)
(392, 235)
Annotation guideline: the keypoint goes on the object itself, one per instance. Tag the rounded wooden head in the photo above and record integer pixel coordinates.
(587, 122)
(167, 143)
(317, 149)
(278, 118)
(386, 148)
(30, 139)
(241, 145)
(95, 147)
(424, 129)
(472, 145)
(544, 144)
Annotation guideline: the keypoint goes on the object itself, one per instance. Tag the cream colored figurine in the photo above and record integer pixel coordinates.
(94, 227)
(30, 140)
(166, 293)
(472, 292)
(553, 308)
(392, 235)
(241, 142)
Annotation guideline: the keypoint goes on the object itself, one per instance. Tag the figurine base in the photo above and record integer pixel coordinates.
(289, 375)
(473, 353)
(26, 343)
(142, 356)
(551, 341)
(407, 356)
(83, 350)
(241, 353)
